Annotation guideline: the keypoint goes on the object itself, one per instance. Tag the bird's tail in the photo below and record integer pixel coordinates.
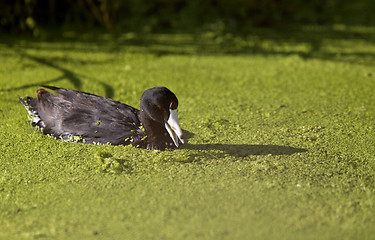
(32, 109)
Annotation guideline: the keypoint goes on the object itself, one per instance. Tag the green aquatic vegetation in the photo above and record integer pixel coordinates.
(107, 163)
(278, 127)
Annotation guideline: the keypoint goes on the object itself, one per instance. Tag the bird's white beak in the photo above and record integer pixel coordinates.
(173, 127)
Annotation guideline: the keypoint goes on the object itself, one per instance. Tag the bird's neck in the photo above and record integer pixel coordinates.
(157, 136)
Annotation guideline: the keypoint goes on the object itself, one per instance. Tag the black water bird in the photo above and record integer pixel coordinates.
(77, 116)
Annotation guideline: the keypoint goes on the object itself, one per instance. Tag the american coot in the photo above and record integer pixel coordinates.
(77, 116)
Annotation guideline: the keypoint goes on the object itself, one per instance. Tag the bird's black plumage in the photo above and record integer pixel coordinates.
(84, 117)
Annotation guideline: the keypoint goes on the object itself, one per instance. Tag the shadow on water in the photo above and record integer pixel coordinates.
(308, 42)
(324, 43)
(66, 74)
(243, 150)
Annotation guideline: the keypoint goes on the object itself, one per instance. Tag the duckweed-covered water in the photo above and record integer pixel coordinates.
(279, 129)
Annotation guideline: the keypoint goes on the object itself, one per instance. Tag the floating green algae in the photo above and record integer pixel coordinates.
(109, 164)
(279, 130)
